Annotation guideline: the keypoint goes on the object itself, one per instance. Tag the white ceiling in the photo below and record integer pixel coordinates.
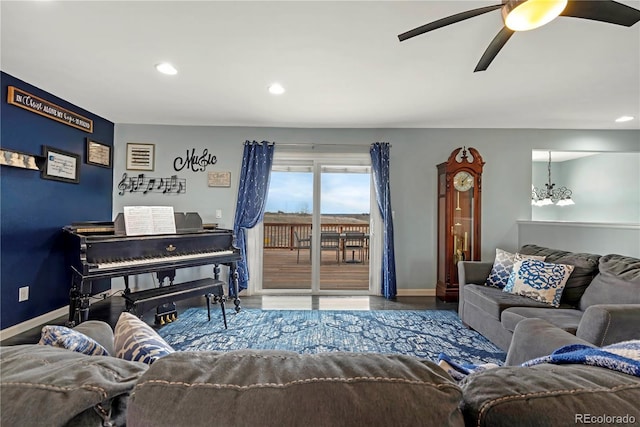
(340, 62)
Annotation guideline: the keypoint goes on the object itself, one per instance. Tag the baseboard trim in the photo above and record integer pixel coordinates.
(416, 292)
(32, 323)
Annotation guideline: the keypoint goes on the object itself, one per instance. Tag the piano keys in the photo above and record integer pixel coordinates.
(100, 250)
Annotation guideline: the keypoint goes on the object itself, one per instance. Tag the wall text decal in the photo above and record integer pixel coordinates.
(195, 163)
(32, 103)
(144, 185)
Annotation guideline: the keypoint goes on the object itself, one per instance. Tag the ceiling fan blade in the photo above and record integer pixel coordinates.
(447, 21)
(494, 47)
(602, 10)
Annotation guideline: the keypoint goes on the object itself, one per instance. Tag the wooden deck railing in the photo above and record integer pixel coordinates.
(280, 235)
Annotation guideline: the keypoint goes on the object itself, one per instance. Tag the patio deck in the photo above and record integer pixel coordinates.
(281, 271)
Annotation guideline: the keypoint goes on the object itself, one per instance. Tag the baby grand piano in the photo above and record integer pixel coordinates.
(102, 250)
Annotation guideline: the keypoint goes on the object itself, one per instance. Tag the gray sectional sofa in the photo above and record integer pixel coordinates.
(46, 386)
(600, 303)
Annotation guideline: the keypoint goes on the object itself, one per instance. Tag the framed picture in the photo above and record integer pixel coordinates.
(60, 165)
(98, 154)
(219, 179)
(140, 156)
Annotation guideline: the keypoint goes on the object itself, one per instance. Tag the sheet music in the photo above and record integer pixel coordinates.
(149, 220)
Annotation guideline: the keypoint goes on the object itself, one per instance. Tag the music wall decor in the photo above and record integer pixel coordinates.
(60, 165)
(140, 156)
(143, 184)
(197, 163)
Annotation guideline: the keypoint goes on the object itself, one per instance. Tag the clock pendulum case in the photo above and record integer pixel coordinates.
(459, 193)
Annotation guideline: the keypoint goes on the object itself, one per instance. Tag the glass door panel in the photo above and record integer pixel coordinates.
(345, 201)
(287, 229)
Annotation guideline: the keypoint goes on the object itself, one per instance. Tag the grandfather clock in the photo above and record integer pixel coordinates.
(459, 191)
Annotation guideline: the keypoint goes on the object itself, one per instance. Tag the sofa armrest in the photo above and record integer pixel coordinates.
(535, 338)
(99, 331)
(473, 272)
(604, 324)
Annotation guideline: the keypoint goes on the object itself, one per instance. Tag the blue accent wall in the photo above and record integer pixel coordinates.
(33, 210)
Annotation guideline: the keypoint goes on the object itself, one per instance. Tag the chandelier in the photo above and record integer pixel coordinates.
(550, 195)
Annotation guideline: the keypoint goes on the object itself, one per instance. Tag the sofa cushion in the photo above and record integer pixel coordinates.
(49, 386)
(618, 282)
(585, 268)
(63, 337)
(493, 301)
(281, 388)
(539, 280)
(549, 395)
(503, 266)
(566, 319)
(137, 341)
(98, 330)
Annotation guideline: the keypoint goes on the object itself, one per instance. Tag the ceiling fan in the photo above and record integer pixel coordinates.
(523, 15)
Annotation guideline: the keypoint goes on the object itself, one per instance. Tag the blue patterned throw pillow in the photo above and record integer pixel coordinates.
(63, 337)
(135, 340)
(503, 266)
(539, 280)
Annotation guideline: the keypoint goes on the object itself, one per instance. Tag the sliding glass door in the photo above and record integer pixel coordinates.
(316, 229)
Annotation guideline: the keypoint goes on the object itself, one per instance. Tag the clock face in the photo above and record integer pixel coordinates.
(463, 181)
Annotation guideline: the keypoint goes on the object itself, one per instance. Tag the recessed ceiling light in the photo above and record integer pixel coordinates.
(166, 68)
(276, 89)
(624, 119)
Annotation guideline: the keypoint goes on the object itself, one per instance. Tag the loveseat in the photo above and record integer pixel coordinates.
(600, 303)
(43, 385)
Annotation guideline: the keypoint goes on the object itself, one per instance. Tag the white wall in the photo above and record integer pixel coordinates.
(605, 186)
(506, 183)
(596, 238)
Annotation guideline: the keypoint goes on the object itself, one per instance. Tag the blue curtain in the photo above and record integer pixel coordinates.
(380, 165)
(252, 197)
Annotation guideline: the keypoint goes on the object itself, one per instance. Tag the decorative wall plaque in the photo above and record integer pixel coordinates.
(61, 165)
(140, 156)
(37, 105)
(219, 179)
(98, 154)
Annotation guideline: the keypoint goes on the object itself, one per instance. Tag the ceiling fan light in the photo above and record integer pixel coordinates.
(524, 15)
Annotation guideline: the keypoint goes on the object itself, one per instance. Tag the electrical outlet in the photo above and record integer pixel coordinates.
(23, 293)
(218, 213)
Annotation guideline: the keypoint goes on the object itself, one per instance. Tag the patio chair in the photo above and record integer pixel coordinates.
(304, 243)
(354, 241)
(330, 241)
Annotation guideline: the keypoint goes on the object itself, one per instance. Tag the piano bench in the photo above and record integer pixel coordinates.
(142, 301)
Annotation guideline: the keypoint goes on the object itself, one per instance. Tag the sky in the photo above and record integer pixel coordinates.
(341, 193)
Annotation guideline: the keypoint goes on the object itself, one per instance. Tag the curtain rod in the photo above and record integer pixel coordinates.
(313, 145)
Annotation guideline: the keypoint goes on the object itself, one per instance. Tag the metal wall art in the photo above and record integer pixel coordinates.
(143, 184)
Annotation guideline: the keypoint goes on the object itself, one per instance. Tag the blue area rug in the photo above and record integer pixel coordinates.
(421, 333)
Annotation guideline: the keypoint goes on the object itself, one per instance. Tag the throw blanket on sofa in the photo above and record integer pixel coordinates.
(623, 357)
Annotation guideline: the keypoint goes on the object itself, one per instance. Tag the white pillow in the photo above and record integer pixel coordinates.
(539, 280)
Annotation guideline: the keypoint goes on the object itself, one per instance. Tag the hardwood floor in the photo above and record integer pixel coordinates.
(109, 309)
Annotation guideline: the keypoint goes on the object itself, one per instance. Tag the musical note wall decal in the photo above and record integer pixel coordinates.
(142, 184)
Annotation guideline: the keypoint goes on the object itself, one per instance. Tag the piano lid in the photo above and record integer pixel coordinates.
(188, 222)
